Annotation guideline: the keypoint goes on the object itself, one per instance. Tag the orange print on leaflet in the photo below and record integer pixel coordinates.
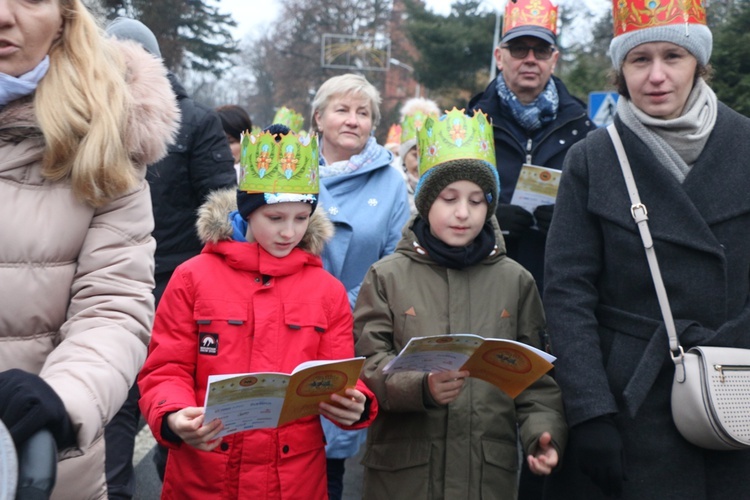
(208, 344)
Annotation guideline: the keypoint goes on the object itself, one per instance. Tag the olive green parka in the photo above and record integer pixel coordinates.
(416, 448)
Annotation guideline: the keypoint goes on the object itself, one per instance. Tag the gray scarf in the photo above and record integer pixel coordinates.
(678, 142)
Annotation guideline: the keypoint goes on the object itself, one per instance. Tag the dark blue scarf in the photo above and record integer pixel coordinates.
(533, 116)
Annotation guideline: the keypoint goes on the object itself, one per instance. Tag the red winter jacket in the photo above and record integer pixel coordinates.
(265, 314)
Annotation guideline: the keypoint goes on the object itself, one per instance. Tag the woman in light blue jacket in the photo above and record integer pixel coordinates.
(366, 200)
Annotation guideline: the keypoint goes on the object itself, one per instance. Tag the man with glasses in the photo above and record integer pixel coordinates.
(535, 121)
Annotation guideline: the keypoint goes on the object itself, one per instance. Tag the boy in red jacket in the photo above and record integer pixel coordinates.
(259, 292)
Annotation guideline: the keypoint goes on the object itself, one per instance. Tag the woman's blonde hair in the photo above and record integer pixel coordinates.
(82, 105)
(341, 85)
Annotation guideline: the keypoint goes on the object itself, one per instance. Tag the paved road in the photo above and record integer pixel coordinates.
(148, 486)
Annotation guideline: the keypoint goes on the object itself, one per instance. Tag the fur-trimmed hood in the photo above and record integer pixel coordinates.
(153, 117)
(214, 224)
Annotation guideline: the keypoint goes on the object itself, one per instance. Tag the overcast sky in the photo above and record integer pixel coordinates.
(253, 15)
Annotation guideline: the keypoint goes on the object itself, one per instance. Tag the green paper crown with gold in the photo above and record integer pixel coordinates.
(290, 118)
(287, 166)
(455, 136)
(411, 123)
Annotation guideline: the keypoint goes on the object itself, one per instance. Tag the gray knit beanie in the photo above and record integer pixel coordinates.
(124, 28)
(405, 146)
(434, 180)
(695, 38)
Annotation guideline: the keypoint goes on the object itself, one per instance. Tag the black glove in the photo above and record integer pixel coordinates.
(513, 219)
(28, 403)
(597, 446)
(543, 216)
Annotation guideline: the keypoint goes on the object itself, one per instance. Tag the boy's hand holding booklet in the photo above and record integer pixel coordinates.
(261, 400)
(510, 365)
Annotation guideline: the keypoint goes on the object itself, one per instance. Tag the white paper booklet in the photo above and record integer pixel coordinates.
(536, 186)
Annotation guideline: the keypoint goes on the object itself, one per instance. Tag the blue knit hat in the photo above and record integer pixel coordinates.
(124, 28)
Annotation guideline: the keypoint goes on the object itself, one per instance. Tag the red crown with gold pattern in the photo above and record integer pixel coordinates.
(632, 15)
(542, 13)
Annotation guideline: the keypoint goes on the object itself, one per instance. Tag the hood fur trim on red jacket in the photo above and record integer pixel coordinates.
(214, 225)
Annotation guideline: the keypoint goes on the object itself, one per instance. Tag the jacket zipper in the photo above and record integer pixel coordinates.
(529, 145)
(528, 151)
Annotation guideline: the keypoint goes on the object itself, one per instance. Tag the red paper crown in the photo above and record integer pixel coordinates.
(541, 13)
(632, 15)
(394, 134)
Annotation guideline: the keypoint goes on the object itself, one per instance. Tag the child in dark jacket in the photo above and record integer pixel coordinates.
(443, 434)
(258, 291)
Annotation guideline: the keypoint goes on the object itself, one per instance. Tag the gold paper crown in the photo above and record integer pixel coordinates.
(413, 122)
(290, 118)
(541, 13)
(632, 15)
(287, 166)
(455, 136)
(394, 133)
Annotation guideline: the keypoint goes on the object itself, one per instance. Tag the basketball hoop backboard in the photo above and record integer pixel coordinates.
(354, 52)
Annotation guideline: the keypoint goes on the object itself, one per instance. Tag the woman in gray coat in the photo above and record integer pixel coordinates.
(689, 157)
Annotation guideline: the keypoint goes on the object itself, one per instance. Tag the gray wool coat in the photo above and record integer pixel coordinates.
(602, 311)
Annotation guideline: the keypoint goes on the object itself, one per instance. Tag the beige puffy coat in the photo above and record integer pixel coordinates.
(75, 281)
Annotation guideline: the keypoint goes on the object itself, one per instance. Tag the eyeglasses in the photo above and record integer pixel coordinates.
(541, 52)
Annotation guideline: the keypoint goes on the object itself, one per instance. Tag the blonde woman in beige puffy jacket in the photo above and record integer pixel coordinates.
(80, 117)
